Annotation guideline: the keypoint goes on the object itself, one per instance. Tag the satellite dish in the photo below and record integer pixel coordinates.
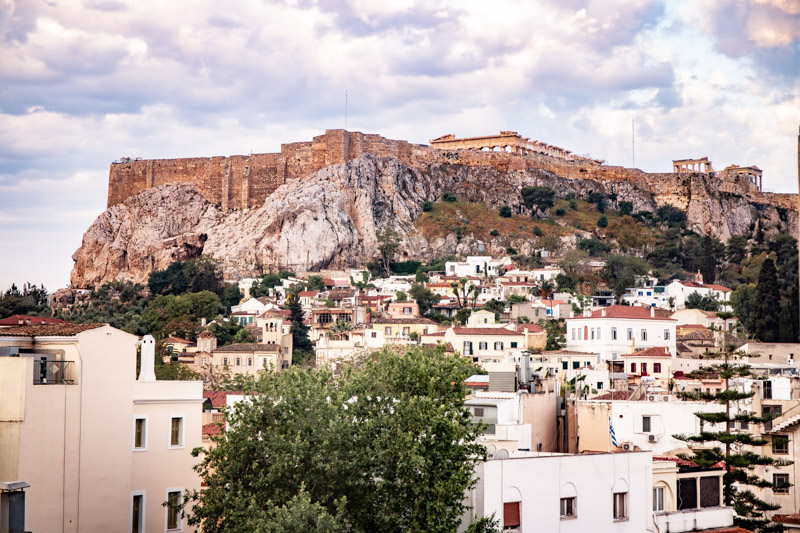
(490, 450)
(501, 454)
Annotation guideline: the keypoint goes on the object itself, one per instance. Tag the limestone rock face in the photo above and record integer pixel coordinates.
(146, 233)
(331, 219)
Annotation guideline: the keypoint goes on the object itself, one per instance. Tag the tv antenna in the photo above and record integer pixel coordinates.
(633, 140)
(345, 110)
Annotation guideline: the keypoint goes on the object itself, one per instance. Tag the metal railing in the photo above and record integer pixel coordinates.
(46, 372)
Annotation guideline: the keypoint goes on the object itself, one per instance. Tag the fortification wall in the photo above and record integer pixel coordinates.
(241, 181)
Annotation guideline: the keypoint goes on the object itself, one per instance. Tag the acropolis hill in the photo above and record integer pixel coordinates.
(321, 204)
(241, 181)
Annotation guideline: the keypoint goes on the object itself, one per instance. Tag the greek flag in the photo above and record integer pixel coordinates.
(613, 435)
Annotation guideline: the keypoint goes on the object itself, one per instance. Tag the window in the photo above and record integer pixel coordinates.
(656, 368)
(514, 344)
(374, 334)
(406, 331)
(780, 444)
(644, 369)
(176, 432)
(467, 348)
(576, 364)
(406, 310)
(633, 368)
(687, 493)
(573, 333)
(511, 515)
(599, 385)
(644, 334)
(744, 424)
(767, 410)
(780, 483)
(140, 433)
(249, 361)
(592, 333)
(387, 331)
(173, 510)
(238, 361)
(645, 424)
(666, 334)
(620, 505)
(137, 512)
(498, 346)
(767, 390)
(483, 345)
(613, 334)
(567, 507)
(709, 491)
(225, 361)
(630, 334)
(564, 365)
(478, 411)
(658, 499)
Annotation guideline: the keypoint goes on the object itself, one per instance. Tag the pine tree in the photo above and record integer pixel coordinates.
(733, 449)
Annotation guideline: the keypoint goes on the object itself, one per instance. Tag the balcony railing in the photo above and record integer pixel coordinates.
(52, 372)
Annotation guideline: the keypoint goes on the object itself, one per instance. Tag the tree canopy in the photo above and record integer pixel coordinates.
(385, 444)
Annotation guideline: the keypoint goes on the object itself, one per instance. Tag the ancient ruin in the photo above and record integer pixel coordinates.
(733, 178)
(508, 141)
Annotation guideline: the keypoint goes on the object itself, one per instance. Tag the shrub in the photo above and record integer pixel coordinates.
(494, 233)
(505, 212)
(511, 251)
(427, 207)
(449, 197)
(560, 212)
(573, 205)
(625, 208)
(537, 231)
(602, 222)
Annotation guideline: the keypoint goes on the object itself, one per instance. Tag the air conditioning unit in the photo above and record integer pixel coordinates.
(665, 399)
(651, 438)
(651, 398)
(627, 446)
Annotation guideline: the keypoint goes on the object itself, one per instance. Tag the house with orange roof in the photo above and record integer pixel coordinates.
(655, 362)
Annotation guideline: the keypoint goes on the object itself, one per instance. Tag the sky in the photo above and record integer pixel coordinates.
(83, 83)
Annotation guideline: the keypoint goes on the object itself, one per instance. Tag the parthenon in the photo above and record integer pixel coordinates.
(508, 141)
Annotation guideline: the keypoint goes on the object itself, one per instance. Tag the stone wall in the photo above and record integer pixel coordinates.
(240, 181)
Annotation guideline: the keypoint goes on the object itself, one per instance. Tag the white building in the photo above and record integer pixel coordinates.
(619, 329)
(532, 492)
(680, 291)
(473, 265)
(101, 449)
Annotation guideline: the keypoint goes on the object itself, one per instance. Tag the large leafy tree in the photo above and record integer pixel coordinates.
(538, 198)
(385, 444)
(720, 444)
(621, 272)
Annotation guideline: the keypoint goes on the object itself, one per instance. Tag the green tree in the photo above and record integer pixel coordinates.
(736, 249)
(602, 221)
(315, 283)
(706, 303)
(449, 197)
(302, 350)
(538, 198)
(743, 302)
(388, 244)
(424, 297)
(767, 309)
(732, 448)
(505, 212)
(593, 247)
(386, 444)
(625, 208)
(621, 272)
(671, 216)
(556, 333)
(427, 207)
(462, 315)
(713, 250)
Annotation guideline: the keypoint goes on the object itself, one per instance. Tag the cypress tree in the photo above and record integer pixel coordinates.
(301, 344)
(768, 303)
(733, 449)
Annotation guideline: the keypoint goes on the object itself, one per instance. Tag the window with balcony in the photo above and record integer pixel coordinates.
(780, 444)
(780, 483)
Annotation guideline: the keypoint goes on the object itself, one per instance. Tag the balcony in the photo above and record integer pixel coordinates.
(694, 519)
(52, 372)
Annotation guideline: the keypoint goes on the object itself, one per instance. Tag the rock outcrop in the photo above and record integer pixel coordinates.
(332, 218)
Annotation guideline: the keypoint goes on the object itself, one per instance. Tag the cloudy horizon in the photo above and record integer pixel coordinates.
(87, 82)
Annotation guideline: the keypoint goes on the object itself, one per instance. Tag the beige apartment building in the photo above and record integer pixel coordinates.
(101, 449)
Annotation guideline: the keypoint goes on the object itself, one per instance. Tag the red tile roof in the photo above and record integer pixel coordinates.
(655, 351)
(615, 395)
(677, 460)
(625, 312)
(176, 340)
(530, 328)
(218, 397)
(484, 331)
(25, 320)
(307, 294)
(786, 518)
(212, 429)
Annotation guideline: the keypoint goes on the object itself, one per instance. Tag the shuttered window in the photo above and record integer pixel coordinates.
(511, 515)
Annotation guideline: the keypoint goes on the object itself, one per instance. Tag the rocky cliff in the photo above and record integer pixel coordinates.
(331, 219)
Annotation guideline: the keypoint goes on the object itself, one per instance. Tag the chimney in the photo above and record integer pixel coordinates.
(652, 312)
(603, 312)
(203, 322)
(148, 359)
(587, 311)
